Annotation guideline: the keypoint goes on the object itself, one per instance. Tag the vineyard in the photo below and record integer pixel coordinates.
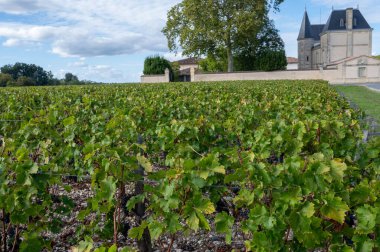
(279, 166)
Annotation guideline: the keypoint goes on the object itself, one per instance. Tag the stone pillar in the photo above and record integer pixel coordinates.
(167, 75)
(192, 74)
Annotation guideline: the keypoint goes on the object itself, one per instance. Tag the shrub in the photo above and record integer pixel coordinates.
(25, 81)
(271, 61)
(5, 79)
(156, 65)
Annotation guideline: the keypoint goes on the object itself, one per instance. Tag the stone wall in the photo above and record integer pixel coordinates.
(328, 75)
(160, 78)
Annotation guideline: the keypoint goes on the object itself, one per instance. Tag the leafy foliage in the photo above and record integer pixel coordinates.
(265, 52)
(71, 79)
(293, 150)
(201, 27)
(156, 65)
(5, 79)
(30, 73)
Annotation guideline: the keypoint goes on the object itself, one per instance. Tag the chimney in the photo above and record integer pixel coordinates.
(349, 18)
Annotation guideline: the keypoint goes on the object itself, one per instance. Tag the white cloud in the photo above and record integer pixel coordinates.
(98, 72)
(18, 42)
(18, 7)
(89, 28)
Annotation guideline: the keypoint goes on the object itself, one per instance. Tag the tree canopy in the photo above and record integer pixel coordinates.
(71, 79)
(202, 27)
(156, 65)
(5, 79)
(22, 74)
(265, 52)
(35, 73)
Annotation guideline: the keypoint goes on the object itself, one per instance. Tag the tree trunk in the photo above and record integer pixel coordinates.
(230, 59)
(144, 244)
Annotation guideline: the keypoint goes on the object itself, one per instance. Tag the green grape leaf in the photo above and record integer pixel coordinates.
(155, 228)
(366, 219)
(223, 224)
(337, 169)
(137, 232)
(144, 162)
(69, 121)
(335, 209)
(308, 210)
(193, 221)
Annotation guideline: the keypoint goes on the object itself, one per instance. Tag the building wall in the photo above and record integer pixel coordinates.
(325, 49)
(338, 45)
(317, 57)
(362, 43)
(305, 54)
(361, 69)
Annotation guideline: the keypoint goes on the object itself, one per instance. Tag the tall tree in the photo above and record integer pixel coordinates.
(35, 73)
(199, 27)
(264, 52)
(71, 79)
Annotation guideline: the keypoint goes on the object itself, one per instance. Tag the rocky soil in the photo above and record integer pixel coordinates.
(65, 239)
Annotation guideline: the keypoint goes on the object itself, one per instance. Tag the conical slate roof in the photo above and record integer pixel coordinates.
(305, 31)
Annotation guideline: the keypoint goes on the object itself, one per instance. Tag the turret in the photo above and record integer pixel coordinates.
(305, 44)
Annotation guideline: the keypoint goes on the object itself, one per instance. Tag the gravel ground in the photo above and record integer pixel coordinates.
(81, 192)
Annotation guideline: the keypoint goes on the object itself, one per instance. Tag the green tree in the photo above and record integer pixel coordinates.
(201, 27)
(215, 62)
(71, 79)
(265, 52)
(25, 81)
(5, 79)
(175, 71)
(34, 72)
(269, 60)
(156, 65)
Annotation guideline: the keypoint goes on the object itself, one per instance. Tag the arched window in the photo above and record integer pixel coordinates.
(307, 58)
(341, 22)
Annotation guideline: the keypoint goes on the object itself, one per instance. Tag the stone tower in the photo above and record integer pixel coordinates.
(305, 44)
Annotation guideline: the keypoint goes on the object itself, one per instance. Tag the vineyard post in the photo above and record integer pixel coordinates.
(144, 243)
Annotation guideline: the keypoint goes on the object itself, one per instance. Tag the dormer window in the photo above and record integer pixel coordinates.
(341, 22)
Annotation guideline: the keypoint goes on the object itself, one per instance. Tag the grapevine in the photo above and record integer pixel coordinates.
(289, 154)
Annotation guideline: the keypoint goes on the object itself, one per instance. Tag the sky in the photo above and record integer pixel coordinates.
(108, 40)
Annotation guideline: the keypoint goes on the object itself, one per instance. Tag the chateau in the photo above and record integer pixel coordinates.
(339, 52)
(345, 35)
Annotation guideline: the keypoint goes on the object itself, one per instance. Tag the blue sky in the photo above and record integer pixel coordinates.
(108, 40)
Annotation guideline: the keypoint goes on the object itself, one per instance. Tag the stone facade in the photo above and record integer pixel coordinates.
(346, 34)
